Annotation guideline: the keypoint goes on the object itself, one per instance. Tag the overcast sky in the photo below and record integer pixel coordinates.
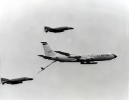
(100, 26)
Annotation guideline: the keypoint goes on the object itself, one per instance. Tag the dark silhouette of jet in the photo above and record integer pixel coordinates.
(56, 30)
(15, 81)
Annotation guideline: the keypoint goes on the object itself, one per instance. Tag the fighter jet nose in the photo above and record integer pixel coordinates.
(31, 79)
(71, 28)
(114, 56)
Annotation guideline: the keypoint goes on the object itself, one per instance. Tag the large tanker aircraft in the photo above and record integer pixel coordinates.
(90, 58)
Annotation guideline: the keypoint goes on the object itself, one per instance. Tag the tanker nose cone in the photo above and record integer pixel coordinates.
(114, 56)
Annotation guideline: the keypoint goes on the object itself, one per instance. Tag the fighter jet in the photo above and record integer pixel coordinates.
(56, 30)
(89, 58)
(15, 81)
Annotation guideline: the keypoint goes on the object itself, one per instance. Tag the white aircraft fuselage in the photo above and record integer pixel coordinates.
(92, 57)
(66, 57)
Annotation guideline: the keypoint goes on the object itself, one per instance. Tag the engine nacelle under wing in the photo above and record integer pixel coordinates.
(88, 62)
(87, 59)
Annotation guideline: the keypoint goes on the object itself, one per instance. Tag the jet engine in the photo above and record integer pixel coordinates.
(88, 62)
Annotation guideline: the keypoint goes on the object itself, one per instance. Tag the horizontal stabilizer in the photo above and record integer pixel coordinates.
(45, 57)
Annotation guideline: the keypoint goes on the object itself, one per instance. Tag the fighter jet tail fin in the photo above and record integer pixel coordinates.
(46, 29)
(47, 50)
(4, 80)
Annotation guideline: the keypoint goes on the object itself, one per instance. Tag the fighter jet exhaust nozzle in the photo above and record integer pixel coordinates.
(46, 29)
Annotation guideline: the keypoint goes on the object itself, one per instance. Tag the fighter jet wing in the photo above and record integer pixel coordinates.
(63, 53)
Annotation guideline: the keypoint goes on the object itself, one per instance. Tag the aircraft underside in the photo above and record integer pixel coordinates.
(12, 82)
(91, 62)
(82, 62)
